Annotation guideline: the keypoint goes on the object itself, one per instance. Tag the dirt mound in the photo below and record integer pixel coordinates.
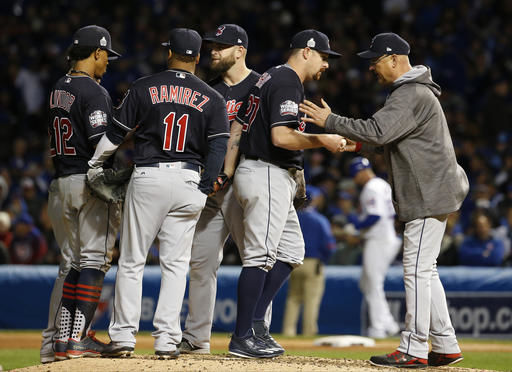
(215, 363)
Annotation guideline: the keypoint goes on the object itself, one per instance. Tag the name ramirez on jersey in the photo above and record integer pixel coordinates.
(178, 94)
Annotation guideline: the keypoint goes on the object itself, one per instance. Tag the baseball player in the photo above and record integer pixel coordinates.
(182, 127)
(271, 142)
(85, 227)
(381, 245)
(222, 214)
(427, 184)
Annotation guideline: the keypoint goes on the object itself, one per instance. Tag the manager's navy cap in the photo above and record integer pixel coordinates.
(184, 41)
(229, 34)
(357, 165)
(386, 43)
(95, 36)
(313, 39)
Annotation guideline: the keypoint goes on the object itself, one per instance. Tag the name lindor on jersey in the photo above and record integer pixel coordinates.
(178, 94)
(61, 99)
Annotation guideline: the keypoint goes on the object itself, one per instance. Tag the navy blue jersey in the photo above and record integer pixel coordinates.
(175, 114)
(80, 110)
(234, 95)
(273, 101)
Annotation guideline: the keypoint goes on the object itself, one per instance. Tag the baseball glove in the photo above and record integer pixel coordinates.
(220, 183)
(300, 195)
(108, 185)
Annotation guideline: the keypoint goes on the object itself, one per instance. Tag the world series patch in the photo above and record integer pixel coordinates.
(289, 108)
(98, 118)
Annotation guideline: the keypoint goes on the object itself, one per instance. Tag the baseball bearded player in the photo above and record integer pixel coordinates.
(427, 185)
(85, 227)
(380, 247)
(271, 142)
(222, 214)
(182, 127)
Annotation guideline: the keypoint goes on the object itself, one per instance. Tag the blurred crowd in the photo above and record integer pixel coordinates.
(466, 43)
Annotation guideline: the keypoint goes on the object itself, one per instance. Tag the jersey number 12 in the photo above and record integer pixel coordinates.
(62, 132)
(182, 131)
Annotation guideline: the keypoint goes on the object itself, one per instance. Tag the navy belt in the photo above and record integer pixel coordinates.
(173, 165)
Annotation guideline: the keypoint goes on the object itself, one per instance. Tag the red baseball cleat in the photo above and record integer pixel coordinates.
(399, 360)
(439, 359)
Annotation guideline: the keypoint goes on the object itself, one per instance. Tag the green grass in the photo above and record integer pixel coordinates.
(18, 358)
(499, 361)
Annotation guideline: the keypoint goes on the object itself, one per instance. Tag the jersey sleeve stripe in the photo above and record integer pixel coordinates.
(240, 120)
(225, 134)
(283, 122)
(96, 135)
(125, 127)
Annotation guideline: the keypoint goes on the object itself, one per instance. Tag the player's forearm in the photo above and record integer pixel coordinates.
(291, 139)
(233, 151)
(213, 163)
(104, 149)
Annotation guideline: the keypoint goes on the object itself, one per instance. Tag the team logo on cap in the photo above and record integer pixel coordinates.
(289, 108)
(76, 41)
(388, 49)
(188, 51)
(311, 43)
(220, 30)
(103, 41)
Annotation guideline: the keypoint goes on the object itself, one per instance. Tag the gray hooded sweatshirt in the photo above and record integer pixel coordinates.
(411, 127)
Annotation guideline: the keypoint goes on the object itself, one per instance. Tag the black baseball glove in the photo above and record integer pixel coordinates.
(220, 183)
(108, 185)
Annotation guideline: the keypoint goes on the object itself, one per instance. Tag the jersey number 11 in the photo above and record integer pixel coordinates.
(182, 131)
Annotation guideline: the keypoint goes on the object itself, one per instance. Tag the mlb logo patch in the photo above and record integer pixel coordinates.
(289, 108)
(98, 118)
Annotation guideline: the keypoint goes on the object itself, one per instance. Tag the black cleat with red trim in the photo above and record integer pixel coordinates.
(398, 359)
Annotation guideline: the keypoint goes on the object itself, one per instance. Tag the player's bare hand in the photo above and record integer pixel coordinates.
(333, 142)
(314, 113)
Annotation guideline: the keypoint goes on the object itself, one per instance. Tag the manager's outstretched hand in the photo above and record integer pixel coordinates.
(315, 114)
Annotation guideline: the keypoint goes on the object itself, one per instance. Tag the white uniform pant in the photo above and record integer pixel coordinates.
(378, 254)
(55, 212)
(272, 230)
(427, 311)
(221, 216)
(165, 203)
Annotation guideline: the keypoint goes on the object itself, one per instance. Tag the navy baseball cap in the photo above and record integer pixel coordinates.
(184, 41)
(386, 43)
(313, 39)
(229, 34)
(357, 165)
(95, 36)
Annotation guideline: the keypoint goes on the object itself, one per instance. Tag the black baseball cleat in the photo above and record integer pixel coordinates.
(186, 347)
(398, 359)
(439, 359)
(261, 331)
(88, 346)
(167, 354)
(114, 350)
(250, 347)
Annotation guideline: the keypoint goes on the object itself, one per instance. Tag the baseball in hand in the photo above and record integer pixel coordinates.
(343, 142)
